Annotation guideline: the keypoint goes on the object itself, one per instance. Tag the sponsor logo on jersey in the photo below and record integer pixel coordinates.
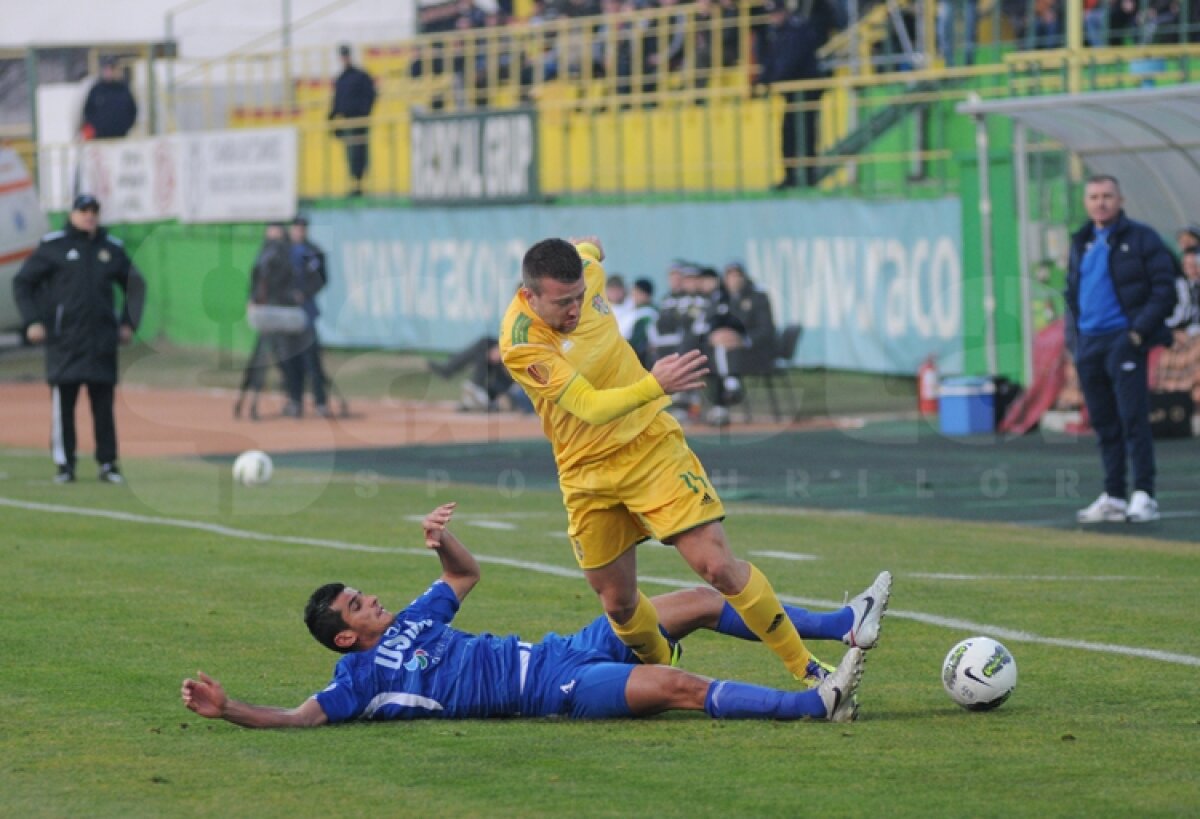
(420, 660)
(568, 688)
(397, 640)
(72, 255)
(104, 255)
(540, 374)
(707, 499)
(600, 305)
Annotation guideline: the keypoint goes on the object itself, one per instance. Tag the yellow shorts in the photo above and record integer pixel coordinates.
(654, 486)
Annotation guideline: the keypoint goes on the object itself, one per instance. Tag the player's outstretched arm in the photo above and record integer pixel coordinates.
(207, 698)
(460, 570)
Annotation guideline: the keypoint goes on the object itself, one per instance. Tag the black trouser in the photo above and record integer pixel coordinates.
(356, 152)
(289, 351)
(1112, 375)
(792, 145)
(313, 370)
(62, 428)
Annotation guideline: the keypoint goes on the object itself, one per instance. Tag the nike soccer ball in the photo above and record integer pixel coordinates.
(979, 674)
(253, 468)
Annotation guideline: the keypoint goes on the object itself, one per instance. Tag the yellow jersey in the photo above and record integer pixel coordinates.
(587, 386)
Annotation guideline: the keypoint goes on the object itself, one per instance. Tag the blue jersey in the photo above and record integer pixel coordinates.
(423, 668)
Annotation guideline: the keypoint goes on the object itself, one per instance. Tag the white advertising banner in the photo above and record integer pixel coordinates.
(208, 176)
(136, 180)
(238, 176)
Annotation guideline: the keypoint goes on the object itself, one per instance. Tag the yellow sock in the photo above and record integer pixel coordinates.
(763, 614)
(641, 634)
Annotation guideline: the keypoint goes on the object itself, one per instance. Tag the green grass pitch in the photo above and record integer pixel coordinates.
(104, 615)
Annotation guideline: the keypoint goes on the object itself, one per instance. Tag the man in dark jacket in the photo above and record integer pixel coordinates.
(353, 98)
(1120, 291)
(789, 50)
(110, 110)
(65, 294)
(308, 263)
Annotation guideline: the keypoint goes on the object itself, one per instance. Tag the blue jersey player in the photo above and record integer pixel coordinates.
(415, 665)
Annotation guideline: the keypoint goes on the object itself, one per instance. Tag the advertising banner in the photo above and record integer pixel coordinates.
(474, 158)
(876, 286)
(204, 176)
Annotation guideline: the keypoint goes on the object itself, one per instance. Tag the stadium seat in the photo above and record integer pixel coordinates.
(781, 367)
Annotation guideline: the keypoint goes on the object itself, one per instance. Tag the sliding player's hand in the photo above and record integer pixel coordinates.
(435, 523)
(681, 373)
(205, 696)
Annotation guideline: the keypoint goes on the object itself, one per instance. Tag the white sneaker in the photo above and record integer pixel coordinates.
(868, 613)
(1103, 509)
(838, 689)
(1142, 508)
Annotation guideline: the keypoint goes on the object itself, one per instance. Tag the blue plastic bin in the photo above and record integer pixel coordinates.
(966, 406)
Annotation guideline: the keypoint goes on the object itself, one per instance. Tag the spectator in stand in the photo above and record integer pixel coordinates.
(715, 331)
(353, 99)
(754, 351)
(1123, 21)
(949, 13)
(1188, 238)
(622, 308)
(643, 336)
(1048, 24)
(790, 53)
(110, 109)
(680, 309)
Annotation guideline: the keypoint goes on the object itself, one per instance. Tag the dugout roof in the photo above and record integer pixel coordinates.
(1149, 138)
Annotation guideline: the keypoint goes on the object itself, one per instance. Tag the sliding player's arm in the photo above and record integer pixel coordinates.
(207, 698)
(460, 570)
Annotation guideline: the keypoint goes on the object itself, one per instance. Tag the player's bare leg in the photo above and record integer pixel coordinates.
(707, 551)
(630, 612)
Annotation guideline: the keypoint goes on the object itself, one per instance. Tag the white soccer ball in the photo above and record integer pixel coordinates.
(253, 468)
(979, 674)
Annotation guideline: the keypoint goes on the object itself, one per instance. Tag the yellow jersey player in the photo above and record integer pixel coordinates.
(625, 470)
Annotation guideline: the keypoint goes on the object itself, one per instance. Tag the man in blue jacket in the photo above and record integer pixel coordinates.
(1120, 291)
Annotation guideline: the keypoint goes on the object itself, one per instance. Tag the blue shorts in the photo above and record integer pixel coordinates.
(582, 675)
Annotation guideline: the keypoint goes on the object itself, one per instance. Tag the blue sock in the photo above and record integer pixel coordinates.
(728, 699)
(828, 626)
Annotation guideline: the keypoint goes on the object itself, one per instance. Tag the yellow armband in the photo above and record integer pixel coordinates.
(595, 406)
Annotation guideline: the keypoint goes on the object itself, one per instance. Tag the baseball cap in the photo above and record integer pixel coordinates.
(85, 201)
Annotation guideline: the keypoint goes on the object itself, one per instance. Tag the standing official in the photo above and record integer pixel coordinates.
(110, 109)
(353, 98)
(308, 261)
(65, 294)
(1120, 291)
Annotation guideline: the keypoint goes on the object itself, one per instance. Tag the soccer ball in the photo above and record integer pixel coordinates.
(253, 468)
(979, 674)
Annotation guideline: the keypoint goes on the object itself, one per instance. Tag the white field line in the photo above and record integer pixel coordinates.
(1066, 578)
(955, 624)
(786, 555)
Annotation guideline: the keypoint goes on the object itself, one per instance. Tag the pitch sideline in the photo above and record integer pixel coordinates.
(1013, 635)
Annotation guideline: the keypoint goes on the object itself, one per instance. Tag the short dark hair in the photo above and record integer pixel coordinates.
(645, 285)
(1099, 178)
(551, 258)
(323, 622)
